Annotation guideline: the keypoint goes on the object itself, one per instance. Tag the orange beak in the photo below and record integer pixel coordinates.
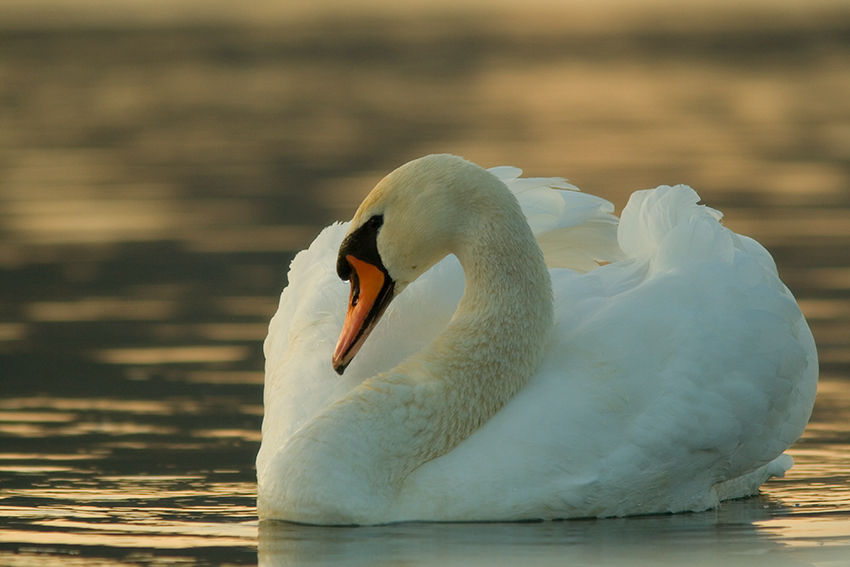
(371, 293)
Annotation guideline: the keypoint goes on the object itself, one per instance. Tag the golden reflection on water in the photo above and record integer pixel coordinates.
(225, 377)
(131, 407)
(113, 519)
(171, 355)
(61, 501)
(12, 331)
(101, 309)
(814, 532)
(106, 428)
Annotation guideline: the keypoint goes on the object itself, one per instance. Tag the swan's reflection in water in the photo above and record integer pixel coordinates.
(742, 532)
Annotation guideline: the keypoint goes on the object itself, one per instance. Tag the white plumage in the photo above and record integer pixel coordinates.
(677, 371)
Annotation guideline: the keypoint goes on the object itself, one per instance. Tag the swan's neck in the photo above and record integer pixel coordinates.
(351, 460)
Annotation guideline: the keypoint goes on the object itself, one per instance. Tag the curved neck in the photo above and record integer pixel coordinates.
(494, 342)
(495, 339)
(360, 449)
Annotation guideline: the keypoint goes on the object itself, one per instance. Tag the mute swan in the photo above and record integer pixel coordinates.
(656, 365)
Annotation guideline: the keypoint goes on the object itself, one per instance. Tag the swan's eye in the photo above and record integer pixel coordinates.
(376, 222)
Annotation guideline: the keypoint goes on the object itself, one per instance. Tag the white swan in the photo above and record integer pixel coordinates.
(668, 379)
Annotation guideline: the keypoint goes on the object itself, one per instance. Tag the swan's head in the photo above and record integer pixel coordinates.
(411, 220)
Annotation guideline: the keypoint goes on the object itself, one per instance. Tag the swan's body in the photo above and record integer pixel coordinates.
(670, 378)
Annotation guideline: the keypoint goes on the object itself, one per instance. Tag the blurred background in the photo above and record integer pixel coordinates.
(161, 161)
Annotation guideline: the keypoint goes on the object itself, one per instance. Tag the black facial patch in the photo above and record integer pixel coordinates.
(363, 245)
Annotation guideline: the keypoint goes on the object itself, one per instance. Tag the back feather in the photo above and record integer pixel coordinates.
(573, 229)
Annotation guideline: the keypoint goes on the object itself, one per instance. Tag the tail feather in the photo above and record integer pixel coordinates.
(749, 484)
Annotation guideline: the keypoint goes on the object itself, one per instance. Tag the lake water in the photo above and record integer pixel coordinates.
(156, 182)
